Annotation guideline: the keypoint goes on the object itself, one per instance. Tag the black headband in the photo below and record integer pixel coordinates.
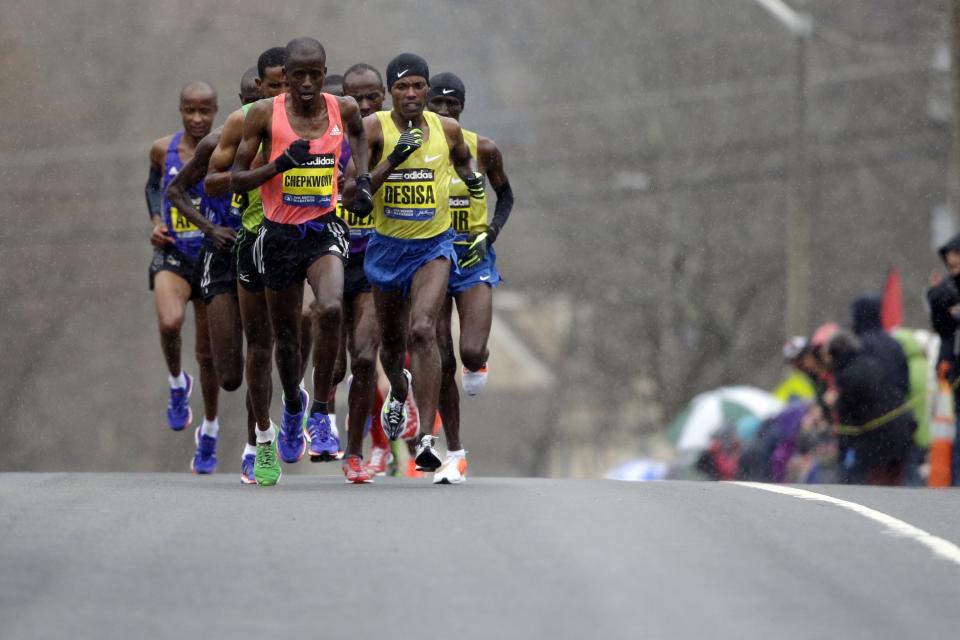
(447, 84)
(406, 65)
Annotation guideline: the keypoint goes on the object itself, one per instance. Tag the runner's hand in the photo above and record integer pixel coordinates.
(475, 185)
(476, 252)
(410, 140)
(160, 236)
(296, 155)
(222, 237)
(363, 197)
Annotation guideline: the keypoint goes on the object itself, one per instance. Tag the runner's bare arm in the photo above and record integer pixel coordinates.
(154, 192)
(192, 173)
(255, 132)
(460, 156)
(218, 173)
(356, 134)
(490, 162)
(371, 126)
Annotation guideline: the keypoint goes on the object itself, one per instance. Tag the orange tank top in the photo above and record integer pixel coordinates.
(308, 192)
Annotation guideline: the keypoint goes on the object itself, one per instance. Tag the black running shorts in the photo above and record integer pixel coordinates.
(354, 279)
(169, 259)
(218, 274)
(287, 250)
(248, 275)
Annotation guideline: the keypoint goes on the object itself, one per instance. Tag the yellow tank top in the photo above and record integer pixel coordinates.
(467, 215)
(412, 203)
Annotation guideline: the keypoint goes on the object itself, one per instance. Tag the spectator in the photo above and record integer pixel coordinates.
(879, 434)
(877, 342)
(944, 300)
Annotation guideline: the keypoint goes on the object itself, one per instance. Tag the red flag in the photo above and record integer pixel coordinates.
(891, 309)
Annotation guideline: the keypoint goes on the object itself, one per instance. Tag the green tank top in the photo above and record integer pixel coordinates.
(251, 213)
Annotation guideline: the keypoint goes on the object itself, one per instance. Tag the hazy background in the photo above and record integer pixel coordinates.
(647, 145)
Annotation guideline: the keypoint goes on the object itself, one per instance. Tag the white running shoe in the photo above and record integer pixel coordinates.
(393, 415)
(426, 457)
(453, 470)
(474, 381)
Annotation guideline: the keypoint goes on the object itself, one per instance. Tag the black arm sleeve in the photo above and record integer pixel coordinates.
(502, 211)
(154, 193)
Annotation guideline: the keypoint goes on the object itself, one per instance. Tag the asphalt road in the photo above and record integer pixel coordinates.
(171, 555)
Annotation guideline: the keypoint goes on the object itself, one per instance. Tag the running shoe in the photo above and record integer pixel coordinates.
(474, 381)
(266, 466)
(379, 459)
(354, 471)
(179, 415)
(205, 459)
(292, 445)
(426, 457)
(324, 445)
(452, 471)
(394, 415)
(246, 469)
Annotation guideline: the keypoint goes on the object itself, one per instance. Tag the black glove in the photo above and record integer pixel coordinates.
(475, 185)
(296, 155)
(410, 140)
(363, 197)
(476, 251)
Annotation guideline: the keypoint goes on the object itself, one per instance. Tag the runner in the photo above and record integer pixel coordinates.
(472, 288)
(219, 224)
(174, 273)
(310, 320)
(301, 234)
(408, 257)
(249, 88)
(252, 302)
(361, 336)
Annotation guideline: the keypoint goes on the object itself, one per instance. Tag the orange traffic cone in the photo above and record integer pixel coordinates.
(943, 426)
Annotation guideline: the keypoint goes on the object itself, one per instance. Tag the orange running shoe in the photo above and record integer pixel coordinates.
(354, 471)
(474, 381)
(379, 459)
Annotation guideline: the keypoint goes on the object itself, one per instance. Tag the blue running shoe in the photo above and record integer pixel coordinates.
(179, 415)
(290, 442)
(246, 469)
(324, 444)
(205, 459)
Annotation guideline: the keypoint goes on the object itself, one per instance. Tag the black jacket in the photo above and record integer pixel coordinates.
(865, 393)
(941, 299)
(878, 343)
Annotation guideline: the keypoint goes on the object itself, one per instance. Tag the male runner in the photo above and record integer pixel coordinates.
(310, 321)
(174, 272)
(218, 284)
(249, 88)
(301, 236)
(408, 257)
(472, 287)
(364, 84)
(254, 317)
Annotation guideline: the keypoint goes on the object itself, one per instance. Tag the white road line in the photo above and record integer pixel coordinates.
(940, 547)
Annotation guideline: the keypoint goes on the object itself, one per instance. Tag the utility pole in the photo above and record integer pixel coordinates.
(797, 224)
(953, 180)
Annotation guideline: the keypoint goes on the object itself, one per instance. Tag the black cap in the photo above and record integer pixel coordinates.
(447, 84)
(406, 65)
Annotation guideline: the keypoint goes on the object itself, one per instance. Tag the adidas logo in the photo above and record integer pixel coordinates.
(335, 131)
(172, 172)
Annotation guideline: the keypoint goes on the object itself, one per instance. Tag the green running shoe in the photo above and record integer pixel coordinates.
(266, 468)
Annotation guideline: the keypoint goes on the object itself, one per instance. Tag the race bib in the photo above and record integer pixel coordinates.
(359, 227)
(460, 217)
(408, 194)
(180, 222)
(312, 184)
